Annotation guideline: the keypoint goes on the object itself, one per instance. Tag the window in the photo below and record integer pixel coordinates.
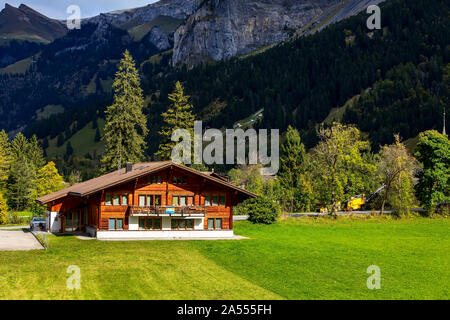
(149, 224)
(182, 224)
(214, 223)
(146, 223)
(222, 200)
(157, 224)
(116, 200)
(182, 200)
(158, 200)
(142, 223)
(174, 180)
(141, 201)
(149, 200)
(215, 200)
(184, 179)
(154, 179)
(115, 224)
(112, 224)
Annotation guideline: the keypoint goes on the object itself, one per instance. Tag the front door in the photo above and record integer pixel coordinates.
(73, 222)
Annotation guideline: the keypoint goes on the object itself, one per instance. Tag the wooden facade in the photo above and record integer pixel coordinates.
(172, 198)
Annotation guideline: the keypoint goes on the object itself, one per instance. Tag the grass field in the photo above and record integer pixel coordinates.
(304, 258)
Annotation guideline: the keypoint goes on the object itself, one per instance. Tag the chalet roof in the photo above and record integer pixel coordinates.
(121, 176)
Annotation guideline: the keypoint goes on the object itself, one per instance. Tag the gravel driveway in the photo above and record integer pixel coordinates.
(18, 240)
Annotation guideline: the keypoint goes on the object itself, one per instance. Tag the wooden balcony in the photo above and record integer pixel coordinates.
(176, 211)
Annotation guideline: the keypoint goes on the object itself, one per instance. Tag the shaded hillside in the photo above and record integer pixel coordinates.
(409, 100)
(299, 82)
(24, 23)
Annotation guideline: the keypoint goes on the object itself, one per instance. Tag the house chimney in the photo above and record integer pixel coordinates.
(129, 167)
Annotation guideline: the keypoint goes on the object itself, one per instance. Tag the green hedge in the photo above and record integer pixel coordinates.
(261, 210)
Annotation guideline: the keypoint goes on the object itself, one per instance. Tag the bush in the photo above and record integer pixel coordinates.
(261, 210)
(14, 218)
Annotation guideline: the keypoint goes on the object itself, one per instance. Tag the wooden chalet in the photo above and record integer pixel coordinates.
(147, 200)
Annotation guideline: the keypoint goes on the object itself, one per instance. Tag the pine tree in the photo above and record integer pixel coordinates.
(35, 153)
(126, 126)
(293, 164)
(21, 184)
(69, 149)
(60, 140)
(45, 143)
(97, 135)
(178, 116)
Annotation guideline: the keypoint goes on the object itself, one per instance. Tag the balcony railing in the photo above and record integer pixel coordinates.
(168, 210)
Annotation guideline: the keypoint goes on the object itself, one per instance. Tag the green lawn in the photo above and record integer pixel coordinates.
(304, 258)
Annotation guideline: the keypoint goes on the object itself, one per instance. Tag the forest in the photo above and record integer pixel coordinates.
(299, 82)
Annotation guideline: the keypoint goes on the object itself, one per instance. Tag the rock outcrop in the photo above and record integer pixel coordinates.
(178, 9)
(221, 29)
(158, 38)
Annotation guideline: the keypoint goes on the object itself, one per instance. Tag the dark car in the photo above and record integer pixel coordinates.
(37, 223)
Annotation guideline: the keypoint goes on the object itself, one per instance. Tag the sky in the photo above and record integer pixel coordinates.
(57, 8)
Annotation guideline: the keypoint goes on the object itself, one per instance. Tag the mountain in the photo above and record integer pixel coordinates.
(24, 23)
(298, 82)
(221, 29)
(77, 69)
(128, 19)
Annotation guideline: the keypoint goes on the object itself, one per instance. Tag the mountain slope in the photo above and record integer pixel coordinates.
(221, 29)
(127, 19)
(24, 23)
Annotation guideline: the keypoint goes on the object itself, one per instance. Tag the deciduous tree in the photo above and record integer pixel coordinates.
(340, 167)
(396, 168)
(3, 210)
(433, 153)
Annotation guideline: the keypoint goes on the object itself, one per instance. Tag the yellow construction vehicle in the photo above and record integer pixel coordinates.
(360, 202)
(355, 203)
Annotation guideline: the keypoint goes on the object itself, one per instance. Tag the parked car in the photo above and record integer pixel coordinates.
(37, 223)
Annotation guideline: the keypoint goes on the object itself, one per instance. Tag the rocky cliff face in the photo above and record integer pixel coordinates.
(221, 29)
(178, 9)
